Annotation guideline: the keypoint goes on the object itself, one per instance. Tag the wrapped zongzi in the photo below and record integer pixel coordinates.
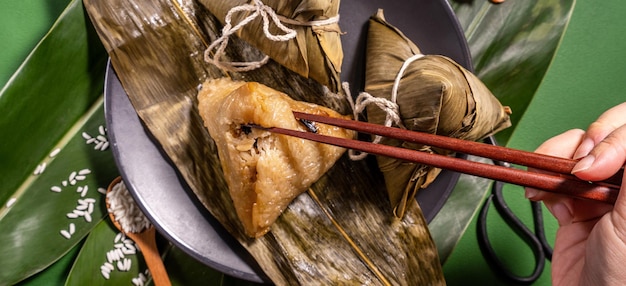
(434, 94)
(304, 36)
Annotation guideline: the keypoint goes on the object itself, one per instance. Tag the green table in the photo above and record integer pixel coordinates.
(585, 79)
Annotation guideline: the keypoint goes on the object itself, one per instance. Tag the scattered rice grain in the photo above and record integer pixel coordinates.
(118, 237)
(87, 217)
(90, 140)
(56, 189)
(72, 215)
(64, 183)
(72, 228)
(104, 146)
(86, 136)
(106, 274)
(54, 152)
(84, 172)
(72, 176)
(73, 182)
(98, 145)
(80, 177)
(102, 190)
(66, 234)
(11, 202)
(101, 130)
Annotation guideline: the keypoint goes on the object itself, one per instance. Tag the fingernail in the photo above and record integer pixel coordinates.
(562, 213)
(584, 148)
(583, 164)
(531, 193)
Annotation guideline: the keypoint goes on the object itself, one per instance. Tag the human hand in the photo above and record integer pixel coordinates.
(590, 245)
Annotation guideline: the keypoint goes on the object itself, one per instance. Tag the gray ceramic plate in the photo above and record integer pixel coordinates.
(174, 209)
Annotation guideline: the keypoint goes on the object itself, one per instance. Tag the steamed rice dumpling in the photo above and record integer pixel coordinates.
(434, 95)
(314, 52)
(264, 171)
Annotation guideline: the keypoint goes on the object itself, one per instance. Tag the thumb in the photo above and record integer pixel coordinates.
(605, 159)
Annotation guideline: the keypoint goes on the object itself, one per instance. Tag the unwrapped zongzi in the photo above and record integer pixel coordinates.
(264, 171)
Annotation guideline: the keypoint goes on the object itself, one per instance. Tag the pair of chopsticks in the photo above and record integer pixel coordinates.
(555, 176)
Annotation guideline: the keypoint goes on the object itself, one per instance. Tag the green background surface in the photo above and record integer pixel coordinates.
(586, 78)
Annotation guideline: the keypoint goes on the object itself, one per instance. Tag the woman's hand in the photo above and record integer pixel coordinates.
(590, 246)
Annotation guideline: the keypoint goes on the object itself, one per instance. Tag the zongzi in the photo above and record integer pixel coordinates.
(434, 95)
(303, 37)
(264, 171)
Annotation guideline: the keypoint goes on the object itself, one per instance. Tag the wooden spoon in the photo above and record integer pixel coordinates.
(147, 244)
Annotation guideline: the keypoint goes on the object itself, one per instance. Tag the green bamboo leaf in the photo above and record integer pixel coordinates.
(48, 171)
(512, 45)
(454, 217)
(185, 270)
(104, 249)
(56, 273)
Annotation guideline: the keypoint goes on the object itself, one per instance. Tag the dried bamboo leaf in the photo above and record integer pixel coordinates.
(435, 95)
(315, 51)
(155, 48)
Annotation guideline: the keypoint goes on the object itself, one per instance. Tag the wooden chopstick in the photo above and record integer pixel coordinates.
(552, 183)
(557, 165)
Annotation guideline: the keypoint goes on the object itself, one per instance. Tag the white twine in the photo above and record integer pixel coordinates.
(257, 8)
(390, 106)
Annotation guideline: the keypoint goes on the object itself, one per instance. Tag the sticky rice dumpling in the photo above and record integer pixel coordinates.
(435, 95)
(314, 52)
(264, 171)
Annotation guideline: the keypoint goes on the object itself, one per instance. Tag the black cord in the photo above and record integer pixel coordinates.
(535, 240)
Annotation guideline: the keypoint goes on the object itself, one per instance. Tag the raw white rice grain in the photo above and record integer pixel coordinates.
(86, 136)
(64, 183)
(118, 237)
(72, 175)
(90, 140)
(104, 146)
(105, 274)
(84, 172)
(125, 210)
(66, 234)
(102, 190)
(118, 245)
(54, 152)
(73, 182)
(129, 251)
(81, 207)
(101, 138)
(71, 215)
(109, 266)
(11, 202)
(87, 217)
(90, 208)
(80, 177)
(56, 189)
(84, 192)
(101, 130)
(72, 228)
(98, 145)
(120, 265)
